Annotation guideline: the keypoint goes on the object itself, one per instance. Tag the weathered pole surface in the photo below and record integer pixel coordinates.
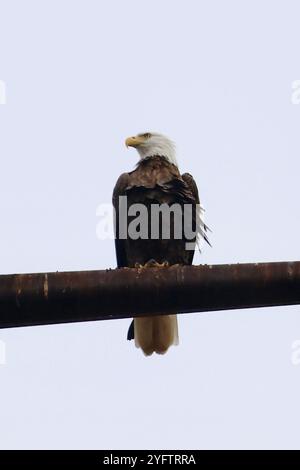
(47, 298)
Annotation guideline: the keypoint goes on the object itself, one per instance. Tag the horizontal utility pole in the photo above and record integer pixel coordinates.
(40, 299)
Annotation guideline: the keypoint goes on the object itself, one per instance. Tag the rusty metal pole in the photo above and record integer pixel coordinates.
(39, 299)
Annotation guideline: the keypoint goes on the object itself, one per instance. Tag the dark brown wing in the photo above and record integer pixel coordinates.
(119, 190)
(201, 226)
(191, 183)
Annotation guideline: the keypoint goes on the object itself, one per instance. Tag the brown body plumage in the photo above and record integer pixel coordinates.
(155, 181)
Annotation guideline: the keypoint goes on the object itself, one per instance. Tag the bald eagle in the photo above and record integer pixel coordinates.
(156, 181)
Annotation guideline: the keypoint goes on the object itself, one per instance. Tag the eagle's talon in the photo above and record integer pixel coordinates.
(138, 265)
(154, 264)
(151, 264)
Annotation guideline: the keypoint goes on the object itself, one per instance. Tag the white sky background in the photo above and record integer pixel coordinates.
(216, 76)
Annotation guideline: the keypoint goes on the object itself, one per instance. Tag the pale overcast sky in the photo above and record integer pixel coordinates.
(216, 76)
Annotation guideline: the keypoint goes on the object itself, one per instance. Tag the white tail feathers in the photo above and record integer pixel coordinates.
(156, 333)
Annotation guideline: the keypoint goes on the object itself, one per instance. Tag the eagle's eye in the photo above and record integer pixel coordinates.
(147, 135)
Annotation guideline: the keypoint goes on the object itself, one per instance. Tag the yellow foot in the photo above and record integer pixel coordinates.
(153, 264)
(138, 265)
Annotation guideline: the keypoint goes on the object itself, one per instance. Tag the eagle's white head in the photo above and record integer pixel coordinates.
(150, 144)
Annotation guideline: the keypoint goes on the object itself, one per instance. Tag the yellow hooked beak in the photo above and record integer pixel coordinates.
(134, 141)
